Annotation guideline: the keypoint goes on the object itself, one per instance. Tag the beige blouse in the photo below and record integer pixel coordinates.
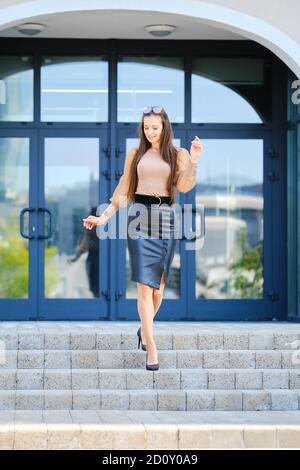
(153, 173)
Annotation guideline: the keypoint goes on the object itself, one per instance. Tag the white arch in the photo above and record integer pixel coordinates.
(287, 49)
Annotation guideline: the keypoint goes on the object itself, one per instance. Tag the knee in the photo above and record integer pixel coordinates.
(144, 292)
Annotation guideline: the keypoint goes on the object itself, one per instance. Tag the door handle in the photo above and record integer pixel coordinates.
(50, 229)
(23, 234)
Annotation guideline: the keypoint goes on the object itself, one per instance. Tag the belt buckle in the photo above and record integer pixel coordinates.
(158, 198)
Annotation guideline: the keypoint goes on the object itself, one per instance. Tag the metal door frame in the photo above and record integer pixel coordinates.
(75, 309)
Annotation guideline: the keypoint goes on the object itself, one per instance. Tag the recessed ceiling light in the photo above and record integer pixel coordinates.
(30, 29)
(160, 30)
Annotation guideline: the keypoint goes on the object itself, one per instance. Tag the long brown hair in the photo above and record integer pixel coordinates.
(167, 151)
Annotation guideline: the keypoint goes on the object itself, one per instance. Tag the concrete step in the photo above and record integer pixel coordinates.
(193, 335)
(116, 359)
(179, 378)
(107, 430)
(151, 399)
(96, 365)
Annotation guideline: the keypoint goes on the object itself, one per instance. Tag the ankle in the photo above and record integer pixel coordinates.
(151, 348)
(145, 336)
(148, 336)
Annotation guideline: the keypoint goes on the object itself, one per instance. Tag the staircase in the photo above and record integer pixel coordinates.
(94, 369)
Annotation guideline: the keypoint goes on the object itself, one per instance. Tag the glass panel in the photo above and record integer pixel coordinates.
(16, 88)
(230, 185)
(298, 215)
(74, 89)
(71, 193)
(172, 289)
(144, 81)
(14, 196)
(236, 90)
(292, 221)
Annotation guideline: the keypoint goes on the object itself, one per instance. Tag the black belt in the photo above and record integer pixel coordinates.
(149, 199)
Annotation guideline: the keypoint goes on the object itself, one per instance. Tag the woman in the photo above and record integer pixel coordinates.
(151, 173)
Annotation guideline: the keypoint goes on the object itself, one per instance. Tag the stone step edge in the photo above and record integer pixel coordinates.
(143, 390)
(275, 331)
(141, 367)
(148, 432)
(160, 370)
(185, 400)
(181, 400)
(136, 349)
(182, 372)
(80, 436)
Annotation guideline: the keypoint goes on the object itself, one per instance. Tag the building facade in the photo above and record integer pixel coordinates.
(70, 104)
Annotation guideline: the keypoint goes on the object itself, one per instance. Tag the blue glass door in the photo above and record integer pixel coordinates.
(49, 269)
(235, 275)
(231, 270)
(18, 224)
(72, 261)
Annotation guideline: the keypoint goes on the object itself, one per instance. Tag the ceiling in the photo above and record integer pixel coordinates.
(119, 25)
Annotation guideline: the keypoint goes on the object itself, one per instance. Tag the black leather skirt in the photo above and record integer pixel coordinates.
(151, 239)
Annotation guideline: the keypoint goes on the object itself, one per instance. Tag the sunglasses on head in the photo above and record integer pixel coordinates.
(155, 109)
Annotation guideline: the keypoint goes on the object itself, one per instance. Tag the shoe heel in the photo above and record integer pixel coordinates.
(140, 340)
(151, 366)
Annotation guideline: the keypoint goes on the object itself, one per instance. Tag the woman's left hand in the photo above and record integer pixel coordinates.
(196, 149)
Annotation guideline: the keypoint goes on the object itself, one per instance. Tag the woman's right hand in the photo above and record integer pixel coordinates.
(91, 221)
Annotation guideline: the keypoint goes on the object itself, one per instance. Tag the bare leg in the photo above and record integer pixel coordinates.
(158, 294)
(157, 299)
(146, 314)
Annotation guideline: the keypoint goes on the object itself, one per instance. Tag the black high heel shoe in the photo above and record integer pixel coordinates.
(140, 340)
(151, 366)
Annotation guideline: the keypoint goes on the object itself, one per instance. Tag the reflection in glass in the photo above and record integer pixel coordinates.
(14, 196)
(71, 193)
(231, 90)
(230, 185)
(16, 88)
(172, 289)
(74, 89)
(144, 81)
